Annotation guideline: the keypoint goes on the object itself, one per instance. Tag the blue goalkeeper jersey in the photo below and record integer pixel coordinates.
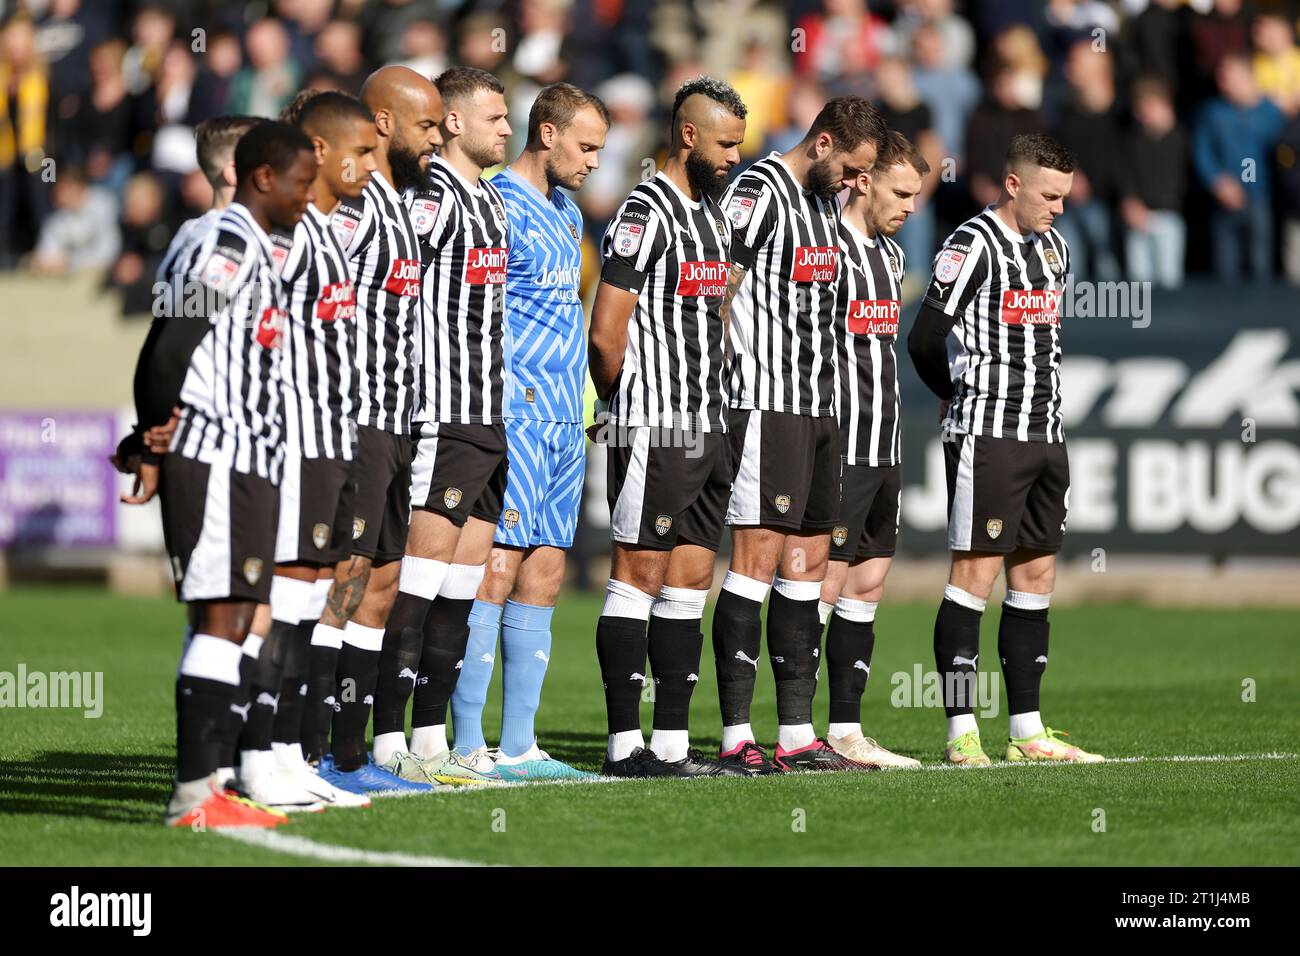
(545, 342)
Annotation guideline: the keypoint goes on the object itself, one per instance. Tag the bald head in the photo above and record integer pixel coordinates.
(407, 111)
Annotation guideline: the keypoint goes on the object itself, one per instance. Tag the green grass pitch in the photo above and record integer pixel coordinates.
(1126, 681)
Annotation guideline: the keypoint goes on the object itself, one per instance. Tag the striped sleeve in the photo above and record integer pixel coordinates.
(633, 242)
(750, 210)
(960, 269)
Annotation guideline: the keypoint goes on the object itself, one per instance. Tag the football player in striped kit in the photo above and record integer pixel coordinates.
(218, 482)
(986, 342)
(315, 524)
(658, 351)
(782, 428)
(458, 476)
(544, 433)
(862, 542)
(380, 239)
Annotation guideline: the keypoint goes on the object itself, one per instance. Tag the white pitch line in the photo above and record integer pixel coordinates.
(301, 846)
(1170, 758)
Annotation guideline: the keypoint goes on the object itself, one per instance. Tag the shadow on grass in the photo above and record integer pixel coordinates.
(117, 788)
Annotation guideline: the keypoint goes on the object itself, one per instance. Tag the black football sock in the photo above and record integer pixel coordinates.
(287, 727)
(358, 671)
(621, 650)
(674, 647)
(737, 642)
(399, 661)
(1022, 646)
(208, 676)
(794, 645)
(322, 688)
(446, 634)
(265, 689)
(849, 644)
(956, 649)
(240, 704)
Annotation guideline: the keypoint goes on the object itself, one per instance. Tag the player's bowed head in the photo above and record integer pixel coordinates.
(708, 126)
(275, 168)
(342, 131)
(408, 111)
(1037, 178)
(566, 132)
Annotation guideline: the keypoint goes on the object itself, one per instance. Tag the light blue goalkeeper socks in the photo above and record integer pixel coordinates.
(526, 650)
(470, 696)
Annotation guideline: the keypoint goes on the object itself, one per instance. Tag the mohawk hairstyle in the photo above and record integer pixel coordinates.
(714, 89)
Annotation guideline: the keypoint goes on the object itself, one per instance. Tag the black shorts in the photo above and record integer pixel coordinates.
(667, 486)
(460, 470)
(1005, 494)
(219, 527)
(381, 494)
(868, 523)
(787, 470)
(316, 511)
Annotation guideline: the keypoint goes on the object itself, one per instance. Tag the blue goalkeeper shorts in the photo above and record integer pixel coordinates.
(548, 461)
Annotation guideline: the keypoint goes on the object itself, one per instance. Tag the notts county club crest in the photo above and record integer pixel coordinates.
(252, 570)
(1053, 261)
(451, 497)
(994, 528)
(320, 535)
(573, 231)
(840, 535)
(358, 527)
(662, 525)
(782, 503)
(510, 518)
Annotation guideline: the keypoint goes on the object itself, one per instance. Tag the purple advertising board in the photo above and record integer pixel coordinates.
(56, 484)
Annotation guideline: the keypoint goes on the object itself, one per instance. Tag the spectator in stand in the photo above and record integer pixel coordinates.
(215, 81)
(24, 106)
(1154, 183)
(82, 232)
(424, 48)
(840, 46)
(1017, 48)
(762, 82)
(951, 92)
(1213, 35)
(304, 21)
(145, 234)
(338, 51)
(956, 37)
(99, 135)
(1090, 128)
(66, 32)
(1288, 188)
(151, 34)
(807, 97)
(1277, 61)
(481, 42)
(271, 78)
(1155, 42)
(629, 148)
(994, 123)
(1232, 150)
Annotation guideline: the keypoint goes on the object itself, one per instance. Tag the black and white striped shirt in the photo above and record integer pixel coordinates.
(316, 361)
(177, 260)
(869, 306)
(1004, 353)
(380, 240)
(464, 243)
(675, 253)
(230, 399)
(783, 314)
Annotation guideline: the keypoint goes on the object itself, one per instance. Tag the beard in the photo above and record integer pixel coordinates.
(703, 175)
(820, 181)
(481, 155)
(405, 163)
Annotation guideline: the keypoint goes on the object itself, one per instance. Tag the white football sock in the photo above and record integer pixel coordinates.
(670, 745)
(389, 745)
(623, 743)
(824, 611)
(1025, 725)
(961, 724)
(429, 741)
(843, 730)
(794, 736)
(734, 736)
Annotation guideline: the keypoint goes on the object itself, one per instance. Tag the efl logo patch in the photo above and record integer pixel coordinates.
(782, 503)
(219, 271)
(815, 264)
(486, 267)
(345, 227)
(270, 328)
(509, 518)
(424, 213)
(874, 317)
(662, 525)
(627, 238)
(280, 246)
(948, 267)
(1031, 307)
(702, 278)
(994, 528)
(320, 535)
(404, 277)
(337, 300)
(451, 497)
(252, 570)
(740, 210)
(839, 535)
